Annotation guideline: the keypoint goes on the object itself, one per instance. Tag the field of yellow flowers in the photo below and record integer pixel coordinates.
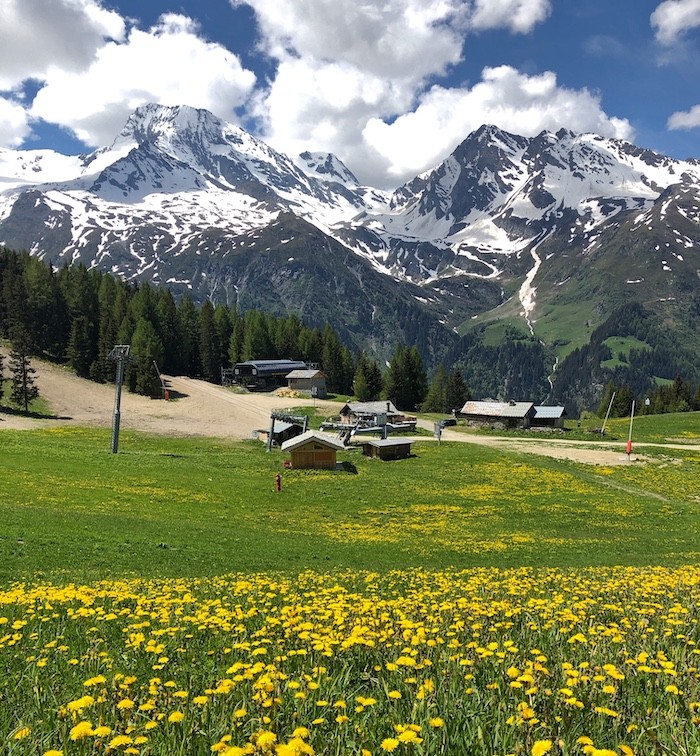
(482, 661)
(167, 601)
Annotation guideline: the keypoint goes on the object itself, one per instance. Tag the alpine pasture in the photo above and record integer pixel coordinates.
(168, 600)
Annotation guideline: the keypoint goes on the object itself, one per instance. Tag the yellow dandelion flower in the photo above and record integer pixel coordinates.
(102, 731)
(266, 740)
(540, 747)
(125, 703)
(389, 744)
(176, 716)
(81, 730)
(22, 733)
(394, 694)
(97, 680)
(53, 752)
(119, 741)
(436, 722)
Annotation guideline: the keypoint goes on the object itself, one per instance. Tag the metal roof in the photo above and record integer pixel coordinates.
(498, 409)
(370, 408)
(387, 442)
(543, 412)
(272, 367)
(312, 435)
(305, 374)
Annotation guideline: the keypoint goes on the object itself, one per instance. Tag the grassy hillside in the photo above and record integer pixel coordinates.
(191, 507)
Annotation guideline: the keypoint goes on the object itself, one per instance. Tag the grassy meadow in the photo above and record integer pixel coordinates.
(167, 600)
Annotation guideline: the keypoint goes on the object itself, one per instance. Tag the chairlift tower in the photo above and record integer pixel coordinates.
(120, 355)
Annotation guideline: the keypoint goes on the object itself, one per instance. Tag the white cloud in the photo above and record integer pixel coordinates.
(345, 66)
(673, 18)
(37, 36)
(168, 64)
(517, 15)
(14, 123)
(688, 119)
(397, 39)
(511, 100)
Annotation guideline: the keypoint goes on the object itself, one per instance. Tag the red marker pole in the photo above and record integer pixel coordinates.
(278, 482)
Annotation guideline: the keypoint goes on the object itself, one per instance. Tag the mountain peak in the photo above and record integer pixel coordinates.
(327, 167)
(154, 123)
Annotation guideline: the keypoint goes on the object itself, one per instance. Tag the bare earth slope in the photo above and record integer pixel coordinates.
(196, 409)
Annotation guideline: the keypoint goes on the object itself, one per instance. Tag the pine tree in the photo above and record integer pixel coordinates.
(2, 376)
(406, 383)
(147, 352)
(456, 391)
(256, 341)
(360, 387)
(209, 348)
(436, 398)
(81, 352)
(23, 387)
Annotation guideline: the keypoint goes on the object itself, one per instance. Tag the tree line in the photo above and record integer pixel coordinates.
(77, 316)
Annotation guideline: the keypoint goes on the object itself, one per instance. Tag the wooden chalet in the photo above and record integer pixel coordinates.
(308, 381)
(387, 448)
(506, 415)
(265, 375)
(313, 450)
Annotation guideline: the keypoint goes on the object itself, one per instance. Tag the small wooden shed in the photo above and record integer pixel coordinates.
(548, 416)
(309, 381)
(387, 448)
(313, 450)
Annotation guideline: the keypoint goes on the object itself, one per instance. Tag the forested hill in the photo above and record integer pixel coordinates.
(77, 315)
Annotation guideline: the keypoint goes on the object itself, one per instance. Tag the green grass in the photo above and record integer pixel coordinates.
(70, 509)
(332, 605)
(621, 347)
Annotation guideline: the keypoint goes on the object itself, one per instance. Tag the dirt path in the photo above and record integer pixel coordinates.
(202, 409)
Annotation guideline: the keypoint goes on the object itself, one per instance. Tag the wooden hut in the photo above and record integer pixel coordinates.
(387, 448)
(548, 416)
(313, 450)
(308, 381)
(498, 414)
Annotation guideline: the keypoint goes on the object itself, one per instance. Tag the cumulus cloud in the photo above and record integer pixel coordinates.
(688, 119)
(517, 15)
(390, 38)
(14, 123)
(673, 18)
(344, 65)
(37, 36)
(511, 100)
(168, 64)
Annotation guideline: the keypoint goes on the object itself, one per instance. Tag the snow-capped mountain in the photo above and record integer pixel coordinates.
(506, 224)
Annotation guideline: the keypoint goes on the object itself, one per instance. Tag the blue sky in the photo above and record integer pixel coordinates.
(390, 86)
